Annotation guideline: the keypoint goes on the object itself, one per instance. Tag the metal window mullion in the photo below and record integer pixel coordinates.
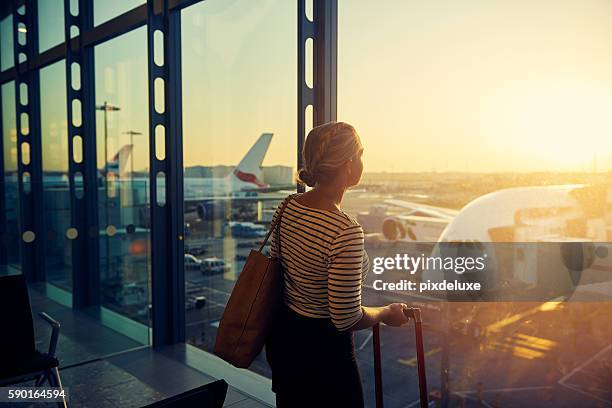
(174, 178)
(325, 60)
(323, 31)
(31, 203)
(83, 206)
(306, 97)
(115, 27)
(167, 253)
(4, 239)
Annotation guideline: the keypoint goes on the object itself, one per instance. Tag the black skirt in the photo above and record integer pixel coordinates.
(313, 364)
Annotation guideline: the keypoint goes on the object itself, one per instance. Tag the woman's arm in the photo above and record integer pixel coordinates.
(344, 285)
(392, 315)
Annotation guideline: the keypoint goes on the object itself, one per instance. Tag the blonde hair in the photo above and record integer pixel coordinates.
(326, 149)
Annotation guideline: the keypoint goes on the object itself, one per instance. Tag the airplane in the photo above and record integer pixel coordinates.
(206, 197)
(116, 167)
(203, 196)
(246, 177)
(543, 239)
(549, 239)
(421, 222)
(245, 180)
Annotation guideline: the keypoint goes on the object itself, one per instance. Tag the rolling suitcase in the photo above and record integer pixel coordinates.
(414, 314)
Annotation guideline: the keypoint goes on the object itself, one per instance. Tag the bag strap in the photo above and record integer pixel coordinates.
(276, 223)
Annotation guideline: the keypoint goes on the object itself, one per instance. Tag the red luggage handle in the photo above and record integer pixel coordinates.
(413, 313)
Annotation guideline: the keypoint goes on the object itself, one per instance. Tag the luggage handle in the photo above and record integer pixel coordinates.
(413, 313)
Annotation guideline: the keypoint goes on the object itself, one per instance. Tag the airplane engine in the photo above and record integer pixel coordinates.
(393, 229)
(207, 211)
(201, 210)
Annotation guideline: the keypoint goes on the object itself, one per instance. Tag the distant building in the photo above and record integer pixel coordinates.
(198, 172)
(278, 175)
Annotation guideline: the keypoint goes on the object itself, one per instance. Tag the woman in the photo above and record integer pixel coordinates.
(311, 348)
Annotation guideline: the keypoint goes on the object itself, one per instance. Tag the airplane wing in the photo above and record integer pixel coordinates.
(241, 198)
(430, 210)
(272, 189)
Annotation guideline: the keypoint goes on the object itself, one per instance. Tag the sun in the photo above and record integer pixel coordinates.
(558, 125)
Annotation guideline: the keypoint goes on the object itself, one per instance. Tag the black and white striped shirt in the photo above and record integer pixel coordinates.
(323, 256)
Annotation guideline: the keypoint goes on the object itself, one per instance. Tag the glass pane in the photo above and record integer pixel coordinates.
(123, 162)
(50, 23)
(56, 189)
(481, 124)
(7, 58)
(105, 10)
(239, 60)
(12, 237)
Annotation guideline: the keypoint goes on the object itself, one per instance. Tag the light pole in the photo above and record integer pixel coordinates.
(106, 107)
(132, 187)
(132, 133)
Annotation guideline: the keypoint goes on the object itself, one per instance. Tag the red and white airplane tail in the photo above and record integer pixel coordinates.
(118, 164)
(249, 169)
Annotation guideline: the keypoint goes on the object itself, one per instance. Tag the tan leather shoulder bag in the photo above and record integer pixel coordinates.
(252, 305)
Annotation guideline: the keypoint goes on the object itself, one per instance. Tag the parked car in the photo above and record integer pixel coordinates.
(214, 265)
(192, 263)
(195, 249)
(195, 302)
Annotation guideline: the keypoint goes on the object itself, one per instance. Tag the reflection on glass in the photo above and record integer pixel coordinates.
(239, 104)
(56, 189)
(123, 157)
(7, 59)
(11, 188)
(465, 103)
(105, 10)
(50, 24)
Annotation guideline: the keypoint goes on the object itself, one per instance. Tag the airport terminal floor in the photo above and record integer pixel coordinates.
(145, 146)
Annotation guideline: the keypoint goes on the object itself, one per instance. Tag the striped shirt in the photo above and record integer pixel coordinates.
(324, 262)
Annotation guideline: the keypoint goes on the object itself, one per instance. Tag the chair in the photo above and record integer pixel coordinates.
(19, 359)
(211, 395)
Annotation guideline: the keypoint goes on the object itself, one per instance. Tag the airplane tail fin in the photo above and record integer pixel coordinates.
(118, 164)
(249, 168)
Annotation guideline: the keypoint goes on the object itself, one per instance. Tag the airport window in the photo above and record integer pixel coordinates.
(106, 10)
(453, 102)
(7, 59)
(11, 187)
(123, 160)
(486, 129)
(50, 24)
(56, 192)
(239, 144)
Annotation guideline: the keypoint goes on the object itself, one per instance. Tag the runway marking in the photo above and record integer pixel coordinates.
(418, 402)
(544, 307)
(366, 340)
(575, 387)
(535, 342)
(412, 362)
(587, 362)
(578, 389)
(524, 346)
(517, 351)
(508, 389)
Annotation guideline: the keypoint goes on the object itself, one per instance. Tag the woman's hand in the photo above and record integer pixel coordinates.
(393, 314)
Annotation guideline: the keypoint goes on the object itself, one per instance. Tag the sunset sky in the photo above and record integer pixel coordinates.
(440, 85)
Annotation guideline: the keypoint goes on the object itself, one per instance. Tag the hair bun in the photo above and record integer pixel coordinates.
(307, 178)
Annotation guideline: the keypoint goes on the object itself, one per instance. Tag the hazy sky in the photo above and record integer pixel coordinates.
(480, 85)
(239, 80)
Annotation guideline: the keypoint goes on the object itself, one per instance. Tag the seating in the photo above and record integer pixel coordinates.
(211, 395)
(19, 359)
